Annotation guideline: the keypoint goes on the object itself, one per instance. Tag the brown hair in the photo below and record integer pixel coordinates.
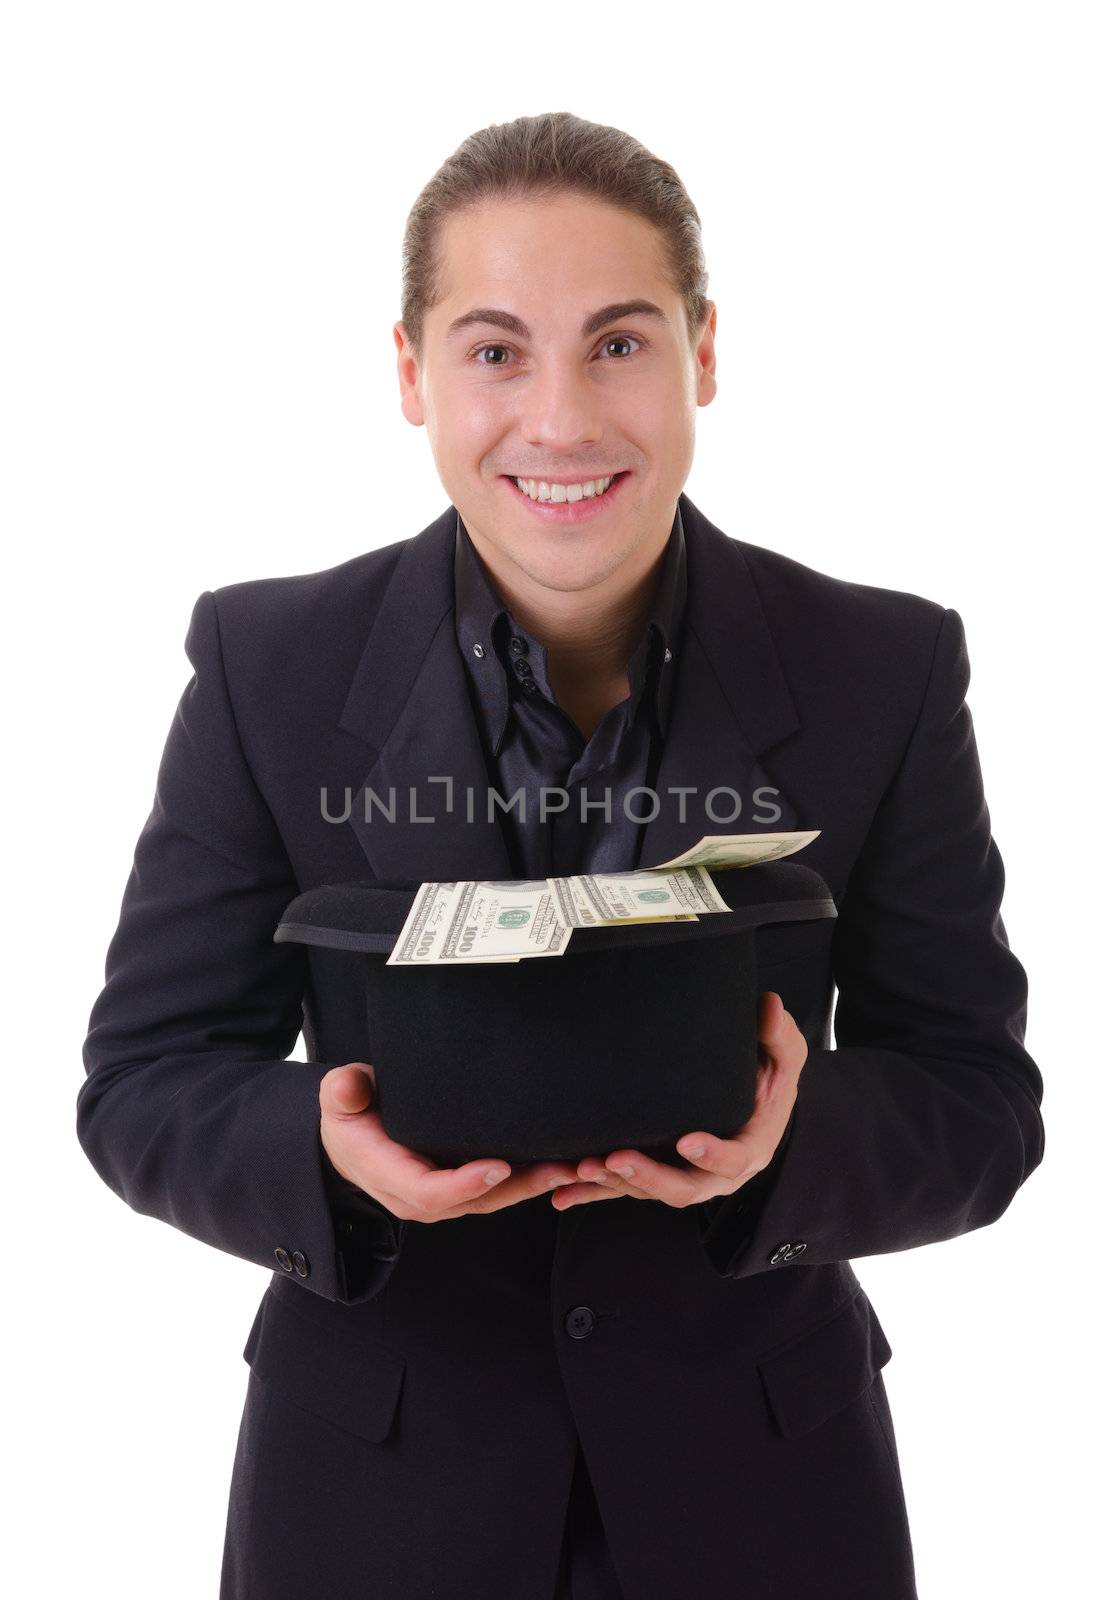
(554, 153)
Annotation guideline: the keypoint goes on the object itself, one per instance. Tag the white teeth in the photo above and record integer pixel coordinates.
(564, 491)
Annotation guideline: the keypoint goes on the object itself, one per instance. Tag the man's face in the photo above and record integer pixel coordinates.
(559, 402)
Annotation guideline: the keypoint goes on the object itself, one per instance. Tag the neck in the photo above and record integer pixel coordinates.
(589, 636)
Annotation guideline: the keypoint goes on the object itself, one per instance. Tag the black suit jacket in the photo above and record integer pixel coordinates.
(417, 1390)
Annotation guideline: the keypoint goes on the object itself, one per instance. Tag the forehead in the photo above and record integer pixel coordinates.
(552, 255)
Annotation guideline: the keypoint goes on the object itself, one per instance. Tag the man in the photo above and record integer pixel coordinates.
(483, 1380)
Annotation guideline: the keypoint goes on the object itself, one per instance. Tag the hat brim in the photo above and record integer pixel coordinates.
(368, 915)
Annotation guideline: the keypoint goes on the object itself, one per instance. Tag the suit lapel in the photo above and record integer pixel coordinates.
(730, 703)
(410, 703)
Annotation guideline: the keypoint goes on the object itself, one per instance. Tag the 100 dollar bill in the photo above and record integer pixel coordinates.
(601, 899)
(739, 849)
(478, 920)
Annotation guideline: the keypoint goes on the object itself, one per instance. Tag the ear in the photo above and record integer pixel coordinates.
(705, 386)
(408, 370)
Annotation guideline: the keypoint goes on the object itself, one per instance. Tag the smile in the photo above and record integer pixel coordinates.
(567, 502)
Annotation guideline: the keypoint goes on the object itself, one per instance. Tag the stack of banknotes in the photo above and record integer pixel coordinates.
(484, 920)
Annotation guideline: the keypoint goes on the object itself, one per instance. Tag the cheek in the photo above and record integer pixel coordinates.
(660, 415)
(479, 417)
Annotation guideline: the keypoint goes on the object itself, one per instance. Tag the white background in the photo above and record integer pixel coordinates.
(203, 208)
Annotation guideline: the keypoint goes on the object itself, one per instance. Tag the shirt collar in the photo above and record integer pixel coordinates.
(485, 625)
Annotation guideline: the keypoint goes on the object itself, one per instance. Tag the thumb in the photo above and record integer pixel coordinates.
(348, 1089)
(770, 1017)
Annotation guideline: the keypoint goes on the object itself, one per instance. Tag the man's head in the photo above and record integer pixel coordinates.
(549, 220)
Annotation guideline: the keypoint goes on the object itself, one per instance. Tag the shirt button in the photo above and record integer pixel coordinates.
(478, 650)
(580, 1322)
(668, 655)
(283, 1259)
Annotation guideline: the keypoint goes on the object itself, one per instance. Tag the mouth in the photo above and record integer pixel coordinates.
(571, 511)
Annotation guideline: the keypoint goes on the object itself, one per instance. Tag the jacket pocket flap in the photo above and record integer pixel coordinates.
(356, 1387)
(826, 1368)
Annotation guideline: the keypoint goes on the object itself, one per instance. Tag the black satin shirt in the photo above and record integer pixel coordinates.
(531, 744)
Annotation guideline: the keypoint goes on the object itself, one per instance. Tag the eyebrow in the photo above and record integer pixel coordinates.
(592, 324)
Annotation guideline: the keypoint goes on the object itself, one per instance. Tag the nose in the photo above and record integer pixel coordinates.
(560, 410)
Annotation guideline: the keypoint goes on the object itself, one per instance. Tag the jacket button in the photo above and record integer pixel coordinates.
(518, 645)
(796, 1248)
(580, 1322)
(283, 1259)
(300, 1262)
(778, 1254)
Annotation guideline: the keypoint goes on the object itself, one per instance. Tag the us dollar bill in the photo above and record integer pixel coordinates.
(478, 920)
(739, 849)
(605, 899)
(490, 920)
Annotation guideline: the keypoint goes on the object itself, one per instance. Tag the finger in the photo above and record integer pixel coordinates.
(746, 1152)
(438, 1192)
(396, 1174)
(576, 1194)
(674, 1185)
(784, 1047)
(597, 1184)
(775, 1025)
(592, 1169)
(769, 1020)
(732, 1160)
(435, 1192)
(525, 1183)
(400, 1176)
(346, 1091)
(749, 1150)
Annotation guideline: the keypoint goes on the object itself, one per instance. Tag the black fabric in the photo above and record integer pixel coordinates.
(714, 1377)
(365, 915)
(630, 1038)
(531, 744)
(585, 1570)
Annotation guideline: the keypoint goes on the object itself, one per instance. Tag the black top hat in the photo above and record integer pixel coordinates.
(634, 1036)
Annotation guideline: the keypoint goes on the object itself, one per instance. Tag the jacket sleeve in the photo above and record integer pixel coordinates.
(189, 1110)
(924, 1121)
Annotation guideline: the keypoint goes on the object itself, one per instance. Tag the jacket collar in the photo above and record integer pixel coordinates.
(485, 624)
(421, 811)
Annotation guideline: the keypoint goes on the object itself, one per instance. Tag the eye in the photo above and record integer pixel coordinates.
(623, 338)
(615, 338)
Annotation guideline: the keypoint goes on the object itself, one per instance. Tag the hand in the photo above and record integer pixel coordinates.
(726, 1163)
(410, 1185)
